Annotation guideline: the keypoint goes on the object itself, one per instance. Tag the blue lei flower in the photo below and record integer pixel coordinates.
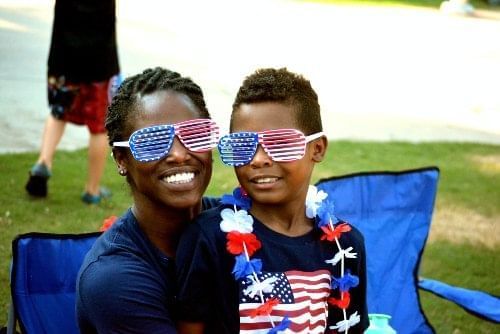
(345, 282)
(238, 199)
(243, 268)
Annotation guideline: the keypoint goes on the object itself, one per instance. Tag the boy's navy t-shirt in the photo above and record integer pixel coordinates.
(209, 293)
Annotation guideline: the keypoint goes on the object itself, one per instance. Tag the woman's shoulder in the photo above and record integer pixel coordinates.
(118, 274)
(118, 235)
(120, 246)
(112, 287)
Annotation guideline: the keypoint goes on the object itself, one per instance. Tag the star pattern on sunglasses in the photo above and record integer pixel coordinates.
(281, 145)
(154, 142)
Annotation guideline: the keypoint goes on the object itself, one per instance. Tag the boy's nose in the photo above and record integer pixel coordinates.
(261, 158)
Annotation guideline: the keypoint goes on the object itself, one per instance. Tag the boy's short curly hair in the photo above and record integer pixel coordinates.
(282, 86)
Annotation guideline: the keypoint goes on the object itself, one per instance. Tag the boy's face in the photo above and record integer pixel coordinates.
(267, 181)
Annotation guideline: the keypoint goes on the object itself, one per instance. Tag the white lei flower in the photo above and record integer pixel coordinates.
(313, 201)
(344, 325)
(239, 221)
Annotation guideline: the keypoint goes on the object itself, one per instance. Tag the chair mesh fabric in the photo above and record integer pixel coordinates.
(43, 278)
(393, 211)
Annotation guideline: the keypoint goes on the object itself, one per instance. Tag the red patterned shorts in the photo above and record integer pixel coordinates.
(89, 105)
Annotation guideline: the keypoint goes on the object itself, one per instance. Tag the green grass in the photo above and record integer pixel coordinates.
(465, 266)
(480, 4)
(470, 179)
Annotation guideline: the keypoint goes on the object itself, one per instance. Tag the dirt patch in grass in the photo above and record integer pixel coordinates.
(460, 225)
(488, 164)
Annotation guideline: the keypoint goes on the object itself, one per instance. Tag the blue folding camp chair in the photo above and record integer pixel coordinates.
(393, 210)
(43, 278)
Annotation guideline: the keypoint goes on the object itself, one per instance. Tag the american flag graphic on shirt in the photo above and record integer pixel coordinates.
(303, 298)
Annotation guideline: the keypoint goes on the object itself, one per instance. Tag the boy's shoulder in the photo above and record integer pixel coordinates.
(354, 237)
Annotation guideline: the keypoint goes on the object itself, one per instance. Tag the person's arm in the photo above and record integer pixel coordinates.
(122, 297)
(195, 276)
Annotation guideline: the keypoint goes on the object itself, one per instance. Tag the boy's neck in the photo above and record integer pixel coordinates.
(289, 219)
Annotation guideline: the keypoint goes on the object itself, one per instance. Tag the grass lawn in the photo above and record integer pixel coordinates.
(463, 248)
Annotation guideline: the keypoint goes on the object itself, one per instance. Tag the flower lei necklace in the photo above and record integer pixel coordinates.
(242, 243)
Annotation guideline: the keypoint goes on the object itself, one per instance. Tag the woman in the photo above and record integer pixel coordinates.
(161, 134)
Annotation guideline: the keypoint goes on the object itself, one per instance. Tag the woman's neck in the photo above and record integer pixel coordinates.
(164, 225)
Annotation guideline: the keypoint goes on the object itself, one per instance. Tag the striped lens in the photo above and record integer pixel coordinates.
(281, 145)
(238, 148)
(198, 135)
(154, 142)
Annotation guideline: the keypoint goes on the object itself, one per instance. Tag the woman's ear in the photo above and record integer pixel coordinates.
(319, 147)
(121, 160)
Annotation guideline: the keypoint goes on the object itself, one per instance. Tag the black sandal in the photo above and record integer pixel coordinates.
(37, 182)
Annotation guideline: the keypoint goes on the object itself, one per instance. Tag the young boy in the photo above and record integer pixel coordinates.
(273, 258)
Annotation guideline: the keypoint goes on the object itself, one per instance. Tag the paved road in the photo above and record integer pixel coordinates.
(381, 73)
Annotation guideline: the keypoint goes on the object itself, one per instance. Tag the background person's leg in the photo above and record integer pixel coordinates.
(52, 134)
(94, 104)
(97, 154)
(40, 172)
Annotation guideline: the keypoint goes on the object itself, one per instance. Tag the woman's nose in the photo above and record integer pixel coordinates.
(178, 152)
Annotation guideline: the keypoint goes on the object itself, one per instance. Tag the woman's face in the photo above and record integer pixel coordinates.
(179, 179)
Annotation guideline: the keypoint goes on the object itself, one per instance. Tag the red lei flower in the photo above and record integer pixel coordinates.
(266, 308)
(343, 302)
(332, 234)
(236, 243)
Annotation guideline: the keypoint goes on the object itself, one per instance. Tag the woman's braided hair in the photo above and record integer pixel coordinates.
(124, 104)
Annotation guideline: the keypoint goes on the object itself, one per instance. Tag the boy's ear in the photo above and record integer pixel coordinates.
(319, 147)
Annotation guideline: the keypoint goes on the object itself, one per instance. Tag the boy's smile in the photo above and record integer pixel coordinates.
(265, 182)
(264, 179)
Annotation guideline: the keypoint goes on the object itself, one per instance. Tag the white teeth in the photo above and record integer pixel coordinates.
(266, 180)
(179, 178)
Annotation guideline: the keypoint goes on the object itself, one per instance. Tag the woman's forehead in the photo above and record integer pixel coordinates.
(163, 107)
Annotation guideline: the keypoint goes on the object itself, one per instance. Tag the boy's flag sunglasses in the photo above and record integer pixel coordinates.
(154, 142)
(281, 145)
